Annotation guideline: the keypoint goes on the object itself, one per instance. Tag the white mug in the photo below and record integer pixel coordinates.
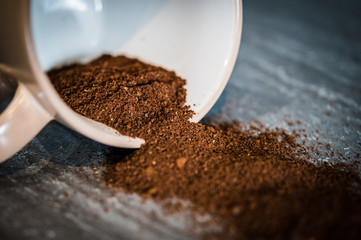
(198, 39)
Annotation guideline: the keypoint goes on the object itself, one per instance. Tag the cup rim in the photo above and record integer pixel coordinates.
(236, 41)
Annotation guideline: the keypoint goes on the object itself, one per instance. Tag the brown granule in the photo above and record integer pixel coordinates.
(254, 179)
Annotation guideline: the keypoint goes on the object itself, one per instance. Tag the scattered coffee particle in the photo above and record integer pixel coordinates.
(181, 162)
(237, 210)
(149, 171)
(255, 179)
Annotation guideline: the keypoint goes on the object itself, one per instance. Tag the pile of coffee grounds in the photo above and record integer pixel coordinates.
(124, 93)
(255, 180)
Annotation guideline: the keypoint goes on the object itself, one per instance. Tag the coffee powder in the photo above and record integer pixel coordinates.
(123, 93)
(256, 180)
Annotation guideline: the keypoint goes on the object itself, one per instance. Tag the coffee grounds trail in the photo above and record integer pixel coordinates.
(255, 180)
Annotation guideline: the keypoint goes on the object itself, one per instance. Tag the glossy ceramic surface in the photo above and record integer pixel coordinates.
(198, 39)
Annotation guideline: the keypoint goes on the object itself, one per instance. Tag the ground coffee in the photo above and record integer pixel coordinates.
(254, 179)
(130, 96)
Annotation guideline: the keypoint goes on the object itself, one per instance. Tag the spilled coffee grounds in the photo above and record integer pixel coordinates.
(126, 94)
(255, 180)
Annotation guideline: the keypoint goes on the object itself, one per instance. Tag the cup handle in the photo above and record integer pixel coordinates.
(23, 118)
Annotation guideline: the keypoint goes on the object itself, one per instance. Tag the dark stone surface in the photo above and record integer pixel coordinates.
(299, 60)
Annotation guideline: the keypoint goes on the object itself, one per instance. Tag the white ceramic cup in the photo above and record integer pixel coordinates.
(198, 39)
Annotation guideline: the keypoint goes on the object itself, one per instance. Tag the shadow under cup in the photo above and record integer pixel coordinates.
(198, 39)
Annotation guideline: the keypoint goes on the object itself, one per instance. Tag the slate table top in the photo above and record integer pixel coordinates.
(298, 60)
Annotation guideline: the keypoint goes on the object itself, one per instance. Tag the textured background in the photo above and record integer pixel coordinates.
(299, 60)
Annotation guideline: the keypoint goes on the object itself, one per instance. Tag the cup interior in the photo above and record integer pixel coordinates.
(196, 38)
